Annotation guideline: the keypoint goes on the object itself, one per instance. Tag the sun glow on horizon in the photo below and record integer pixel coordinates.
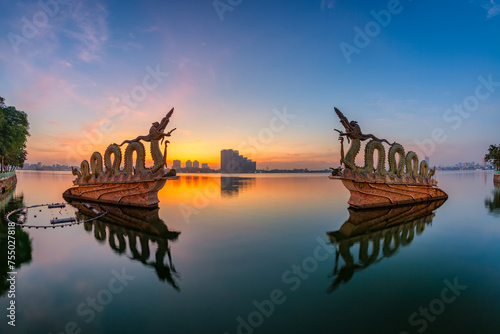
(89, 78)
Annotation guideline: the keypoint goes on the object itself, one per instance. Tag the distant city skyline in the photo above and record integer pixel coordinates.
(188, 164)
(459, 165)
(216, 164)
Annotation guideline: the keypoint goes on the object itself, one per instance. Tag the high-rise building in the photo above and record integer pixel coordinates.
(232, 162)
(427, 160)
(176, 164)
(204, 165)
(196, 164)
(189, 164)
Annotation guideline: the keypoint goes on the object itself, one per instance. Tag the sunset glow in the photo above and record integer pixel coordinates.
(98, 72)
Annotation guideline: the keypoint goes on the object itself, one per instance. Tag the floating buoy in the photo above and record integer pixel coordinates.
(52, 206)
(62, 220)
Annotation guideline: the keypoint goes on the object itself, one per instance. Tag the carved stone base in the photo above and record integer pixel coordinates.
(395, 191)
(133, 193)
(7, 184)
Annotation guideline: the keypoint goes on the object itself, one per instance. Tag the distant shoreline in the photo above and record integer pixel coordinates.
(218, 174)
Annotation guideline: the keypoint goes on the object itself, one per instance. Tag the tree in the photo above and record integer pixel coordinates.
(493, 155)
(14, 128)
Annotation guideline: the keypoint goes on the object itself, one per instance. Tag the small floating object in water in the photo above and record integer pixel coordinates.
(62, 220)
(52, 206)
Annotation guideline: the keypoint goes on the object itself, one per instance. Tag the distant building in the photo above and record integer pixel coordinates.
(232, 162)
(176, 164)
(189, 164)
(427, 160)
(484, 162)
(204, 166)
(196, 164)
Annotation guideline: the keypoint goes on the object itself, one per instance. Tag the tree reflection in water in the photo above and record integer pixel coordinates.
(23, 249)
(493, 204)
(130, 232)
(374, 230)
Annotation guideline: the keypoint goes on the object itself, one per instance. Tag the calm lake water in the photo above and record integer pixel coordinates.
(258, 254)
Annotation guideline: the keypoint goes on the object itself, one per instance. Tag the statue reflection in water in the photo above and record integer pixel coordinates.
(378, 233)
(23, 249)
(130, 232)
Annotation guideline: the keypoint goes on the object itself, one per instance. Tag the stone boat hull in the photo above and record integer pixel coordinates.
(373, 194)
(7, 184)
(136, 191)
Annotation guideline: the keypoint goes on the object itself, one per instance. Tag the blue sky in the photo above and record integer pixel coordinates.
(229, 67)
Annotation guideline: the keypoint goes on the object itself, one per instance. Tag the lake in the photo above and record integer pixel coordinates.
(264, 253)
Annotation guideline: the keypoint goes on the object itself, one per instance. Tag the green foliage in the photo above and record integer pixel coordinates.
(14, 128)
(23, 246)
(493, 204)
(493, 155)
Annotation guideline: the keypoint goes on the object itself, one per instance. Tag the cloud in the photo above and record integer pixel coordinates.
(150, 29)
(493, 9)
(89, 30)
(327, 5)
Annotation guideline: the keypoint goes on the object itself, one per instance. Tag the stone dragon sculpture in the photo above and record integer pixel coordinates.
(112, 166)
(408, 164)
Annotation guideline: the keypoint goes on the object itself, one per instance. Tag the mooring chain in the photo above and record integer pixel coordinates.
(55, 222)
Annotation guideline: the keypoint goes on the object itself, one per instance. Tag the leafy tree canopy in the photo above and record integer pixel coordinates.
(14, 128)
(493, 155)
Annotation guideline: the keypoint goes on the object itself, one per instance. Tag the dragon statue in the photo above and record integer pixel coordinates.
(112, 167)
(408, 164)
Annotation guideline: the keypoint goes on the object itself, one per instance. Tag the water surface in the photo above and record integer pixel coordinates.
(257, 254)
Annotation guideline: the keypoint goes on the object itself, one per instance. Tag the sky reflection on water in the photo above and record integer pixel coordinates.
(218, 246)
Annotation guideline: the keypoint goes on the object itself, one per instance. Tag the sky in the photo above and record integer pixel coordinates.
(259, 76)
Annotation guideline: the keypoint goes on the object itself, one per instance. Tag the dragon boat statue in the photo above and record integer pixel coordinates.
(131, 185)
(407, 181)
